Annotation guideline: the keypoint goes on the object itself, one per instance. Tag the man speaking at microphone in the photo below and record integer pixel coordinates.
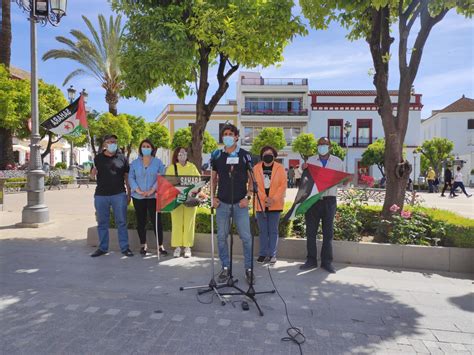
(230, 174)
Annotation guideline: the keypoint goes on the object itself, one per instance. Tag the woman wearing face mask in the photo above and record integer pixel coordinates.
(271, 181)
(142, 178)
(182, 218)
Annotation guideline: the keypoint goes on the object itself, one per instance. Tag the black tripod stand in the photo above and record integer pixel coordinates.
(250, 293)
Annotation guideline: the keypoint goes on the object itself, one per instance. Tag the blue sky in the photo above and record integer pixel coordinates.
(326, 58)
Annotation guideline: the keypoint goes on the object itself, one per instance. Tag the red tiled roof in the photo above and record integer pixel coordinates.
(464, 104)
(18, 73)
(349, 92)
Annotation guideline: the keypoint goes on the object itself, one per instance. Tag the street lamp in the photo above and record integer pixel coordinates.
(42, 11)
(347, 132)
(415, 154)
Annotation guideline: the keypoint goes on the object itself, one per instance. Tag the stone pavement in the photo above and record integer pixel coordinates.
(55, 299)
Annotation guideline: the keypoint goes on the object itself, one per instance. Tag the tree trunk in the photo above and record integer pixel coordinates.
(112, 98)
(197, 132)
(6, 148)
(6, 34)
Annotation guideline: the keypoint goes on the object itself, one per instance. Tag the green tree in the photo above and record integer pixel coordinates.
(159, 135)
(274, 137)
(139, 132)
(107, 123)
(374, 155)
(374, 20)
(434, 152)
(182, 138)
(98, 55)
(338, 151)
(176, 43)
(305, 144)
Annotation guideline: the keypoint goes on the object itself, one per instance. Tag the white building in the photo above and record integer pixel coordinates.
(456, 123)
(331, 109)
(174, 117)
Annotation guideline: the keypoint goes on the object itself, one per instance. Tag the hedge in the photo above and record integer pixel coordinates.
(459, 230)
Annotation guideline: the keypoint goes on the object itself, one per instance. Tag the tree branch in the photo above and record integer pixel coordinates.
(409, 9)
(223, 79)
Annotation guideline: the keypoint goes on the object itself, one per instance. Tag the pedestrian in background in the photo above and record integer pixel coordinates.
(298, 173)
(458, 183)
(431, 176)
(143, 176)
(448, 178)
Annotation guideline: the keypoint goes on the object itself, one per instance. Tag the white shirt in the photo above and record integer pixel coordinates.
(458, 177)
(298, 173)
(333, 163)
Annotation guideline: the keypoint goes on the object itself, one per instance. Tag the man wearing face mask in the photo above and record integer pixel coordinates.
(111, 168)
(230, 168)
(324, 210)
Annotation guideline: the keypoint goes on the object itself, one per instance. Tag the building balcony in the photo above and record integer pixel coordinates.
(274, 82)
(246, 112)
(363, 141)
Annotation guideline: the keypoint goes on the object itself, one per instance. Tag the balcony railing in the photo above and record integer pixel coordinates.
(363, 141)
(283, 82)
(275, 112)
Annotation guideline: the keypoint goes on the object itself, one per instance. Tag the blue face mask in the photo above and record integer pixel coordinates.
(146, 151)
(112, 148)
(228, 141)
(323, 149)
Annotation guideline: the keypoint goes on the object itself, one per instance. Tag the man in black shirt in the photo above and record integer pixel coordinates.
(230, 169)
(111, 168)
(448, 178)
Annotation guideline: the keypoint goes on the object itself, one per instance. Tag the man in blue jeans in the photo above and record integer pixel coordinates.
(230, 168)
(111, 168)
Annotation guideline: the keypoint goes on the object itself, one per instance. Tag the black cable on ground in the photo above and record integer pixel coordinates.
(295, 334)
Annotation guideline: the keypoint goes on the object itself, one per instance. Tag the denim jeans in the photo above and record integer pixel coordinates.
(242, 222)
(268, 228)
(102, 205)
(324, 210)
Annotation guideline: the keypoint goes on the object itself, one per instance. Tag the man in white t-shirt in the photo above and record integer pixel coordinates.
(324, 210)
(458, 183)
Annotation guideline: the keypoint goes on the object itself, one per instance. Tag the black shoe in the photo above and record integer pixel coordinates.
(308, 265)
(163, 252)
(127, 252)
(97, 253)
(260, 259)
(143, 251)
(468, 195)
(442, 195)
(329, 268)
(248, 277)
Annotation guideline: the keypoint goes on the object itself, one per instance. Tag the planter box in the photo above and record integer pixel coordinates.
(373, 254)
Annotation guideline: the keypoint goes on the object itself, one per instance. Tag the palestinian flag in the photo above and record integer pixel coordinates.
(174, 191)
(70, 121)
(314, 182)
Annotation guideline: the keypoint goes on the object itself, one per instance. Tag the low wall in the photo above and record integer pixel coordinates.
(373, 254)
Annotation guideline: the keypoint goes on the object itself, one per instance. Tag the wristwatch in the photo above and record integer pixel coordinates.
(249, 197)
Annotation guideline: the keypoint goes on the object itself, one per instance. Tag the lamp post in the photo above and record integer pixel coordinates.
(42, 11)
(347, 132)
(415, 154)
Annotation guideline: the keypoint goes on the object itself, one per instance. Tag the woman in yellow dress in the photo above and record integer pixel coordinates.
(182, 218)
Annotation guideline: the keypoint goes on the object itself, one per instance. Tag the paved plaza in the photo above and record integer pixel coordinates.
(55, 299)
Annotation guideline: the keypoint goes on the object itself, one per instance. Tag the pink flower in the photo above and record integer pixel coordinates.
(394, 208)
(405, 214)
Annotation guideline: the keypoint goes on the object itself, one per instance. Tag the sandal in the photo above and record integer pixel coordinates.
(163, 251)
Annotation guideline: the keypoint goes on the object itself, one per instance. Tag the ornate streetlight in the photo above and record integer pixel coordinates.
(415, 154)
(42, 11)
(347, 132)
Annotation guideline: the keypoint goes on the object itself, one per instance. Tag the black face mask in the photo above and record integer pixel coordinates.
(268, 158)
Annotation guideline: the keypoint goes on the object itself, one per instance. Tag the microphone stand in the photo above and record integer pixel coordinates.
(250, 293)
(213, 286)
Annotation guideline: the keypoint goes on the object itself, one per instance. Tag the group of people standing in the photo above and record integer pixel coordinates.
(118, 183)
(233, 176)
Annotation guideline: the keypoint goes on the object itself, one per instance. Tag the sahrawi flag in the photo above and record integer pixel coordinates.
(314, 182)
(174, 191)
(70, 121)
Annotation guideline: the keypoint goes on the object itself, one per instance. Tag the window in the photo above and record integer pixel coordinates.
(249, 134)
(267, 105)
(470, 123)
(335, 130)
(364, 132)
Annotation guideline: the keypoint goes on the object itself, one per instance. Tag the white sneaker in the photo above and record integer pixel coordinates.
(177, 252)
(187, 252)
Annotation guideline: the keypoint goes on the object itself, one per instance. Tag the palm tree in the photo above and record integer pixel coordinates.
(99, 55)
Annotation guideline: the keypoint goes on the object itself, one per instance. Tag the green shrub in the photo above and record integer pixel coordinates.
(347, 225)
(60, 165)
(16, 182)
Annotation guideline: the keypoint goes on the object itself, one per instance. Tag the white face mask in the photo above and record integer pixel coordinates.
(323, 149)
